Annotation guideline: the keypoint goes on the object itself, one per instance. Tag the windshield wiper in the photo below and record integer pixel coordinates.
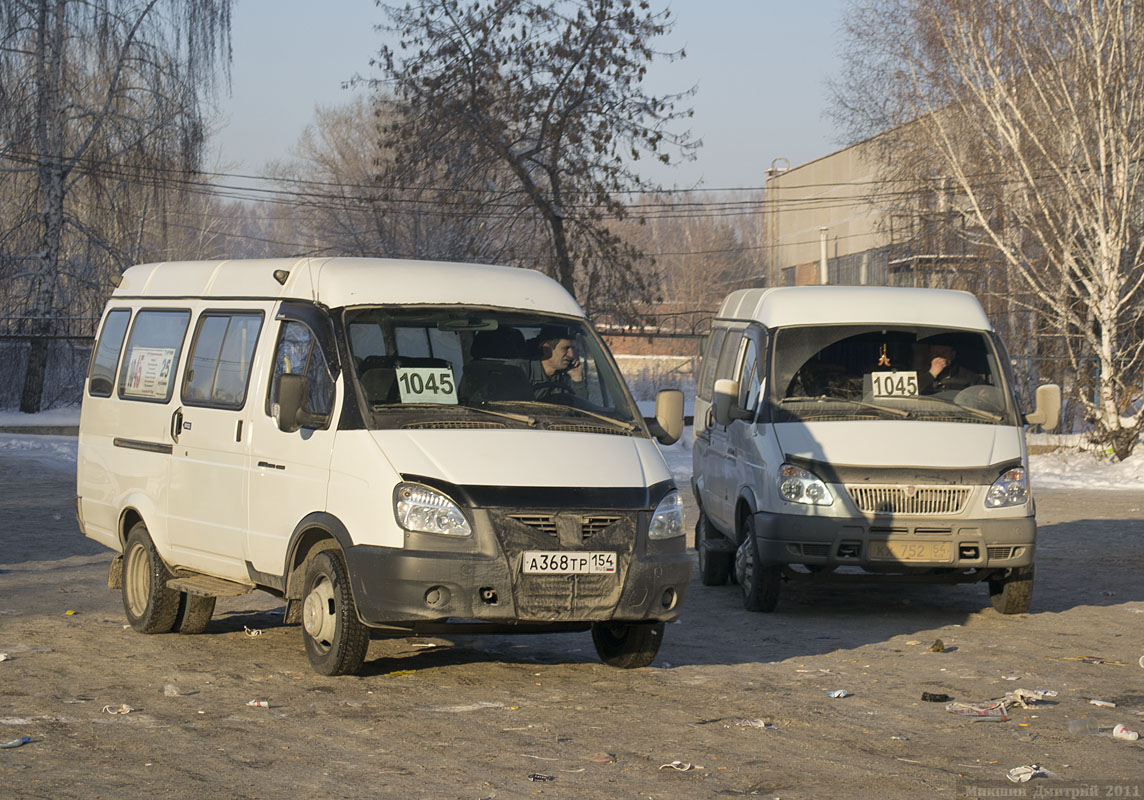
(824, 398)
(604, 418)
(530, 421)
(981, 413)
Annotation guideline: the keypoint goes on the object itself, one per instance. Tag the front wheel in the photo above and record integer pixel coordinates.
(627, 645)
(760, 580)
(1013, 593)
(335, 639)
(714, 565)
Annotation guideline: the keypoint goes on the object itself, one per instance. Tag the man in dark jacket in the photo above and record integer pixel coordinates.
(944, 374)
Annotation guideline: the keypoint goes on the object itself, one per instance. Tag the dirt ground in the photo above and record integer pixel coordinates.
(477, 717)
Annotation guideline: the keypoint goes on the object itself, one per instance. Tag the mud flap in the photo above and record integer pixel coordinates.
(115, 573)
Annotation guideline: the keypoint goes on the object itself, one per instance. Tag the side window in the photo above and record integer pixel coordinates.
(152, 355)
(728, 357)
(219, 368)
(707, 374)
(298, 353)
(107, 352)
(749, 382)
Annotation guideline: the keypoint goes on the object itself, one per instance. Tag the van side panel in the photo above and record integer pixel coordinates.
(361, 490)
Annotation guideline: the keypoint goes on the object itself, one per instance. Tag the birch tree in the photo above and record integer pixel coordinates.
(1031, 114)
(94, 94)
(550, 93)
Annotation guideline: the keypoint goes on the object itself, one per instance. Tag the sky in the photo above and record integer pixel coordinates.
(760, 69)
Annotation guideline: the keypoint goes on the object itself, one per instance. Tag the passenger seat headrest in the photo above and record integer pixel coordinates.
(502, 343)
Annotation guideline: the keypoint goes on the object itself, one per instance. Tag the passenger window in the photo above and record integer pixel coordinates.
(707, 374)
(152, 355)
(298, 353)
(102, 378)
(219, 367)
(749, 376)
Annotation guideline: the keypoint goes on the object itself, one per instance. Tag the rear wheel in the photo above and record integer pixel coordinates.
(1012, 593)
(335, 639)
(627, 645)
(760, 580)
(150, 606)
(714, 565)
(194, 613)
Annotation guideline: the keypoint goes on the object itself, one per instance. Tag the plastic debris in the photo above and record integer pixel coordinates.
(23, 740)
(1142, 661)
(938, 646)
(755, 723)
(1024, 774)
(123, 708)
(171, 690)
(993, 711)
(933, 697)
(259, 704)
(252, 631)
(1086, 727)
(69, 613)
(1088, 660)
(4, 657)
(1102, 703)
(603, 758)
(836, 693)
(541, 778)
(680, 766)
(1120, 732)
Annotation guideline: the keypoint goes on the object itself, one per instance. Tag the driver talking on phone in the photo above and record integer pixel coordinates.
(556, 368)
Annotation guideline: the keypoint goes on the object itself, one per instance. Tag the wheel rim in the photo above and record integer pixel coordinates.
(137, 581)
(745, 565)
(320, 613)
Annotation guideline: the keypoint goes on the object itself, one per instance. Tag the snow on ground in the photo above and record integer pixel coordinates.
(1066, 468)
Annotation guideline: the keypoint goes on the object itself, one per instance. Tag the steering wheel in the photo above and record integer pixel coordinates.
(553, 389)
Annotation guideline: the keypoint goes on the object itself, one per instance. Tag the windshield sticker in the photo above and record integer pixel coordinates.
(894, 384)
(149, 372)
(427, 385)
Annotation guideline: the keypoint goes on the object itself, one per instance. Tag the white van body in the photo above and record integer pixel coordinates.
(316, 428)
(823, 440)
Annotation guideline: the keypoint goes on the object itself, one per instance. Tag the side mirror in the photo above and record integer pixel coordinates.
(667, 426)
(291, 392)
(723, 401)
(1047, 407)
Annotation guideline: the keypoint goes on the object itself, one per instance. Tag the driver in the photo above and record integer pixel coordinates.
(555, 365)
(945, 372)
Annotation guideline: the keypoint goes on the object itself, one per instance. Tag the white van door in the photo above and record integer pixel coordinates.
(209, 476)
(717, 466)
(290, 471)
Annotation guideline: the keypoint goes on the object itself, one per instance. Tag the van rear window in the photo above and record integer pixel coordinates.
(152, 355)
(102, 378)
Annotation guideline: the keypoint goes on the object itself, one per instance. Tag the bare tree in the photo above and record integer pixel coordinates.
(1032, 113)
(544, 99)
(94, 95)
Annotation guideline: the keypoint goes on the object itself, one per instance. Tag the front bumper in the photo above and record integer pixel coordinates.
(896, 544)
(433, 578)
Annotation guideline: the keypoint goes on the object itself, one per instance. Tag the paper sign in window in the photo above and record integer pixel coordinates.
(426, 385)
(149, 372)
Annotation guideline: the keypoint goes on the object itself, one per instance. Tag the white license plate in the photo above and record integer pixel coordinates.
(536, 562)
(894, 384)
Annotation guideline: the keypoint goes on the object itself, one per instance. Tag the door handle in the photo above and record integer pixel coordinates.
(176, 424)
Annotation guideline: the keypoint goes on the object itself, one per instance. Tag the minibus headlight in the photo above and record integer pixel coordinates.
(797, 485)
(1011, 489)
(419, 508)
(667, 521)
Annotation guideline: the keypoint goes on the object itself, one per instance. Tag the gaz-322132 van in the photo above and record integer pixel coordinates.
(390, 446)
(862, 433)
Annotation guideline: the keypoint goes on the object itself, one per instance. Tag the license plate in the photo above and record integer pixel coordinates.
(894, 550)
(536, 562)
(894, 384)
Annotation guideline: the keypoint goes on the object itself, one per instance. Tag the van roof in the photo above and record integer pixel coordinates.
(855, 305)
(338, 282)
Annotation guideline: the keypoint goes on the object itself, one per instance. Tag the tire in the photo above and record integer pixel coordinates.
(1013, 593)
(150, 606)
(194, 613)
(714, 565)
(760, 580)
(335, 639)
(627, 645)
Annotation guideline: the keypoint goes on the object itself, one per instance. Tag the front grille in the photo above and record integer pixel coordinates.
(913, 500)
(999, 552)
(566, 597)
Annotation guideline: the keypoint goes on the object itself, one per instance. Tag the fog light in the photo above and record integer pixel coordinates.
(668, 600)
(436, 596)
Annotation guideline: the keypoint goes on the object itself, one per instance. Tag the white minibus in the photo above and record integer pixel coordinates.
(389, 446)
(854, 433)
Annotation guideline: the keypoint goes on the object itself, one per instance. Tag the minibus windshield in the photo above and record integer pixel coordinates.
(882, 372)
(486, 368)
